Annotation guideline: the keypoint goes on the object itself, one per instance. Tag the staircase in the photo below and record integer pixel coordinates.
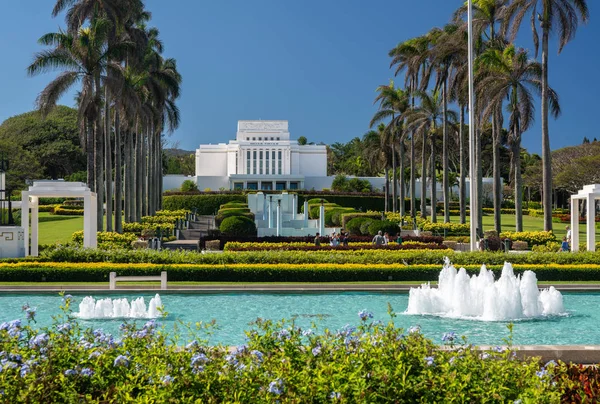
(190, 239)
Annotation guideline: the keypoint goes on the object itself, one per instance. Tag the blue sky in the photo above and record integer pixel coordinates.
(314, 63)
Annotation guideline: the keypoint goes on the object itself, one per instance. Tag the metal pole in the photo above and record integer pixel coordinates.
(472, 174)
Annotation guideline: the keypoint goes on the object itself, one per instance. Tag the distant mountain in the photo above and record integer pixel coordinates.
(178, 152)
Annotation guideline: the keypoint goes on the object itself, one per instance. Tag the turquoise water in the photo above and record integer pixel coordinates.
(233, 312)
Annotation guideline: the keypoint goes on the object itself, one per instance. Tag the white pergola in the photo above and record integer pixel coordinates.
(58, 189)
(589, 193)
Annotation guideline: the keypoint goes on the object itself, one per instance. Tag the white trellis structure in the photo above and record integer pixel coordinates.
(58, 189)
(590, 194)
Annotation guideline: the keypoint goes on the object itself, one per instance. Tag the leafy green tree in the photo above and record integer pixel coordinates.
(302, 140)
(562, 17)
(53, 141)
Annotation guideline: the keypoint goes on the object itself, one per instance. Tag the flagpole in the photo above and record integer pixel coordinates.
(472, 174)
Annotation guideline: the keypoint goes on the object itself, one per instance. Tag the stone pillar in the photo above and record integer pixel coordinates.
(278, 217)
(574, 224)
(306, 214)
(25, 219)
(591, 223)
(322, 220)
(270, 211)
(294, 203)
(34, 226)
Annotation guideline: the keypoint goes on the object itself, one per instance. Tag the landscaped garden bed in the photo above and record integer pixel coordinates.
(369, 361)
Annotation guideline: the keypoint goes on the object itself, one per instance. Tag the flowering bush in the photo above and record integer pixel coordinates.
(371, 362)
(532, 237)
(302, 246)
(108, 240)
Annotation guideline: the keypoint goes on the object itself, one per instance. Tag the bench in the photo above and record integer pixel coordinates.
(113, 279)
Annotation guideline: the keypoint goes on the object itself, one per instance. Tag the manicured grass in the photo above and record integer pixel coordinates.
(58, 229)
(529, 224)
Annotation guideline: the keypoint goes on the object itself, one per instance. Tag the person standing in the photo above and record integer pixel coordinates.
(318, 240)
(565, 245)
(378, 240)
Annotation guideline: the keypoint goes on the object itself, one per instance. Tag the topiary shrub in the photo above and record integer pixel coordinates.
(238, 225)
(336, 215)
(383, 226)
(233, 205)
(188, 186)
(364, 227)
(231, 213)
(353, 226)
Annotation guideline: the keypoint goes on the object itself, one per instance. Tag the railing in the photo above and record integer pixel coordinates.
(113, 279)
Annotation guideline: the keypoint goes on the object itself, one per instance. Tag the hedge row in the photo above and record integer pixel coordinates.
(350, 247)
(99, 272)
(73, 255)
(205, 204)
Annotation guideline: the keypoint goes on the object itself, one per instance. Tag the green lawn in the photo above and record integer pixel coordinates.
(529, 224)
(58, 229)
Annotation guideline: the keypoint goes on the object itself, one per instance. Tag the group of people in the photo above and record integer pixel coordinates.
(566, 241)
(384, 239)
(335, 240)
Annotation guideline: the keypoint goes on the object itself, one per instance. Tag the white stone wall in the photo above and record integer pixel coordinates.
(313, 160)
(12, 242)
(211, 160)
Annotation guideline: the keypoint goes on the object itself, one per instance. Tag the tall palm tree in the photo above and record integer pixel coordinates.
(393, 102)
(510, 75)
(411, 57)
(425, 120)
(560, 16)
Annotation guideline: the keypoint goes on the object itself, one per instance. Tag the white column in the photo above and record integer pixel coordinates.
(278, 217)
(306, 214)
(294, 202)
(25, 219)
(574, 224)
(251, 161)
(270, 211)
(87, 220)
(591, 223)
(34, 226)
(322, 219)
(264, 208)
(94, 222)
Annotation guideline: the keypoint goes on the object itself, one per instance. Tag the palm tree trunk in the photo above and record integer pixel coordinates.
(497, 191)
(446, 190)
(394, 178)
(99, 165)
(546, 153)
(518, 182)
(128, 170)
(144, 175)
(413, 182)
(424, 177)
(118, 181)
(462, 196)
(108, 161)
(479, 180)
(433, 179)
(386, 205)
(139, 162)
(89, 149)
(402, 195)
(160, 172)
(151, 169)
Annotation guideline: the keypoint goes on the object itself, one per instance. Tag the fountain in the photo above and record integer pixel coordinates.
(480, 297)
(89, 308)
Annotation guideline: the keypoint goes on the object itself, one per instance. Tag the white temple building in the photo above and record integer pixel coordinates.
(262, 157)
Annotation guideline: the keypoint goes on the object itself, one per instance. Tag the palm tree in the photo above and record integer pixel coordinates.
(560, 16)
(393, 103)
(511, 75)
(411, 56)
(425, 120)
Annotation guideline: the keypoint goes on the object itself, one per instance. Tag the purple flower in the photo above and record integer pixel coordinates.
(95, 354)
(87, 372)
(335, 395)
(63, 327)
(430, 360)
(499, 349)
(30, 312)
(283, 334)
(39, 340)
(199, 359)
(70, 372)
(316, 350)
(365, 315)
(192, 345)
(449, 336)
(258, 355)
(121, 360)
(25, 370)
(276, 387)
(414, 329)
(306, 333)
(541, 373)
(166, 379)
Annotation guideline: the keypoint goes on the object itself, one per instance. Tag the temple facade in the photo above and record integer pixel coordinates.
(262, 157)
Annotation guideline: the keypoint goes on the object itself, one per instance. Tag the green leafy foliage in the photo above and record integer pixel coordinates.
(188, 186)
(238, 225)
(205, 204)
(384, 226)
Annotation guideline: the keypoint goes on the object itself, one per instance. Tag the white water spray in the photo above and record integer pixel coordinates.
(89, 308)
(480, 297)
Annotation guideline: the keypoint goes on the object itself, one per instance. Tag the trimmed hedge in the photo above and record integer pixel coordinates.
(99, 272)
(205, 203)
(383, 226)
(346, 217)
(238, 225)
(324, 247)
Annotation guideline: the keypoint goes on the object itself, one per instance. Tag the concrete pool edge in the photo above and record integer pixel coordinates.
(262, 287)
